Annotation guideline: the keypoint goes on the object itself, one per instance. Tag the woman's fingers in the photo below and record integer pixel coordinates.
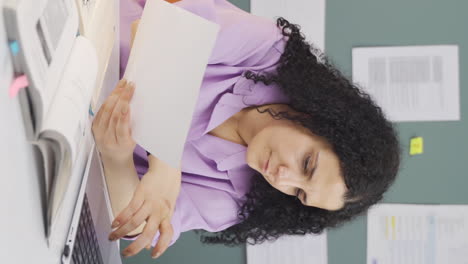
(117, 90)
(134, 222)
(108, 107)
(130, 210)
(134, 29)
(117, 112)
(145, 239)
(122, 129)
(100, 120)
(166, 233)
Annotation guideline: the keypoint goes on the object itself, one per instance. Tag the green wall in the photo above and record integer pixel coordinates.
(437, 176)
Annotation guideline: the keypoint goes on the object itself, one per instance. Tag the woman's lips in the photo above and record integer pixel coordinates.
(265, 167)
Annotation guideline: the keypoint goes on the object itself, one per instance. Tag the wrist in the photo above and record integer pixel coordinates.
(155, 165)
(113, 163)
(152, 161)
(164, 177)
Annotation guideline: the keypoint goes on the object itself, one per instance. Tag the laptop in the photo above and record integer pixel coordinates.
(87, 239)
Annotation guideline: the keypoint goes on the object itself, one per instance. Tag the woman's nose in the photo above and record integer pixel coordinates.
(282, 173)
(285, 176)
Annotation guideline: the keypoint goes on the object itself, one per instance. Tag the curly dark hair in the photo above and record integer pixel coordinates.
(337, 110)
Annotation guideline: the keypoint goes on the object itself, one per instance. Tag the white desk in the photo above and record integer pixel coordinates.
(21, 203)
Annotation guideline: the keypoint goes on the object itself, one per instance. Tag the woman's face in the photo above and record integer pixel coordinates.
(298, 163)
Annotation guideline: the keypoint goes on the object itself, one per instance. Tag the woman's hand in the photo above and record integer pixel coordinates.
(133, 31)
(111, 126)
(154, 202)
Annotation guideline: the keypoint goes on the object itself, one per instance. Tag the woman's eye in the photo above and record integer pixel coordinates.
(306, 163)
(298, 193)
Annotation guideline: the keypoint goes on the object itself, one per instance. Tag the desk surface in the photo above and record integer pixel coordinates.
(437, 176)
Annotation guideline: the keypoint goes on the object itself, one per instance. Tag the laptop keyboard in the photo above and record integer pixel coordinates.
(86, 248)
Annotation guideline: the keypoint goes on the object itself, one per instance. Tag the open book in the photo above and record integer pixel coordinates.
(61, 68)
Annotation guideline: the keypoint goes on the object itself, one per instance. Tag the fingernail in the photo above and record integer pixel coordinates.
(131, 85)
(157, 255)
(125, 109)
(111, 238)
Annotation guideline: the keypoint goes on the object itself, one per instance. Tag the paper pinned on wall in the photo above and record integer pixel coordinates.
(417, 234)
(415, 83)
(310, 15)
(416, 146)
(290, 249)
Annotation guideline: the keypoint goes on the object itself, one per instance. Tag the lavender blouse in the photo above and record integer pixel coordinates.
(215, 175)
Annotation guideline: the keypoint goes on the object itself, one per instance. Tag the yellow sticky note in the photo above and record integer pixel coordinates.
(416, 146)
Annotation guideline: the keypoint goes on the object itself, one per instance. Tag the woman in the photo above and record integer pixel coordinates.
(280, 143)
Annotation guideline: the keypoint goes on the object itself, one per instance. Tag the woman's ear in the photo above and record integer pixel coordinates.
(133, 31)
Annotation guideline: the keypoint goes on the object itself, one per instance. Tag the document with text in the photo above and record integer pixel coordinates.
(414, 83)
(290, 249)
(417, 234)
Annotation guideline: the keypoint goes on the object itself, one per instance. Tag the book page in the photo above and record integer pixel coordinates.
(86, 10)
(167, 63)
(67, 122)
(49, 157)
(417, 83)
(46, 31)
(68, 115)
(417, 234)
(98, 24)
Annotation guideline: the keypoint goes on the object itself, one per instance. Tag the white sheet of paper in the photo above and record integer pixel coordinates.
(309, 14)
(414, 83)
(417, 234)
(97, 23)
(86, 9)
(167, 63)
(290, 249)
